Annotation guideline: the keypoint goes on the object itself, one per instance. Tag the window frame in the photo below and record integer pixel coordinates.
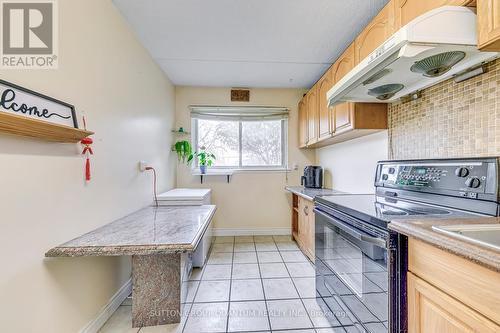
(240, 167)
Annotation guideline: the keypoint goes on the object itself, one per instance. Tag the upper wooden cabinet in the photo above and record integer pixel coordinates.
(312, 115)
(343, 64)
(375, 33)
(303, 126)
(341, 118)
(324, 124)
(407, 10)
(488, 25)
(320, 125)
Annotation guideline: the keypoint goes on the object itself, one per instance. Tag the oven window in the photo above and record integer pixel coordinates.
(355, 273)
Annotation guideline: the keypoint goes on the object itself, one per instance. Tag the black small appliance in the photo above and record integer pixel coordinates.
(313, 177)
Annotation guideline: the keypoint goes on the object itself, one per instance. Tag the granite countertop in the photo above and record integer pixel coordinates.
(421, 229)
(310, 193)
(151, 230)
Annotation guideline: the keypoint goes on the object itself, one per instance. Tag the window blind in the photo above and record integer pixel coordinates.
(247, 113)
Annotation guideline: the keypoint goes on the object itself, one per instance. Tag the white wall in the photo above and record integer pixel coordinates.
(350, 166)
(252, 201)
(44, 201)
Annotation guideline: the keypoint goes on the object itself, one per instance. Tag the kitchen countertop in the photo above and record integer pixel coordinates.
(421, 229)
(151, 230)
(310, 193)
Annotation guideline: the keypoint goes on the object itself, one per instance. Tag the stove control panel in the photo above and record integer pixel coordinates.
(466, 178)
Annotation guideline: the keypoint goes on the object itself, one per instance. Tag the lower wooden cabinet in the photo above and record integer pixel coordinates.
(449, 294)
(432, 311)
(303, 225)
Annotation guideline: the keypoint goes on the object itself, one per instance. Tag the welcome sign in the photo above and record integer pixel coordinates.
(24, 102)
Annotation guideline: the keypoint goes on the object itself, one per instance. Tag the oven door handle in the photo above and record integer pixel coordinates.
(380, 242)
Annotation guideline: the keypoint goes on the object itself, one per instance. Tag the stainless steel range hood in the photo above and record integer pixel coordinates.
(431, 48)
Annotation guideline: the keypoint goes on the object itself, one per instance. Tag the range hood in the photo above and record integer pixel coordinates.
(431, 48)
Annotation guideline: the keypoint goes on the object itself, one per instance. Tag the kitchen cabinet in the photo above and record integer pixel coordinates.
(324, 112)
(488, 25)
(407, 10)
(303, 225)
(312, 116)
(345, 121)
(320, 125)
(341, 119)
(447, 293)
(303, 126)
(375, 33)
(431, 310)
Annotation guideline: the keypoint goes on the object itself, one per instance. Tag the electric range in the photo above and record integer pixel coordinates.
(360, 265)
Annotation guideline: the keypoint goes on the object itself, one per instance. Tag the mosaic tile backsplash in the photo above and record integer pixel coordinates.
(449, 120)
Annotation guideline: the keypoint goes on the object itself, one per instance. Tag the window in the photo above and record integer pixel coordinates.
(242, 138)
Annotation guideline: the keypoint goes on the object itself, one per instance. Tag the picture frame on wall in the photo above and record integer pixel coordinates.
(27, 103)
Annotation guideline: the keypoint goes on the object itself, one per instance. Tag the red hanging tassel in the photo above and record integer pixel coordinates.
(87, 169)
(87, 150)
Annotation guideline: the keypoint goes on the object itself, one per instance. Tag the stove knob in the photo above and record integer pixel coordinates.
(473, 182)
(462, 172)
(385, 177)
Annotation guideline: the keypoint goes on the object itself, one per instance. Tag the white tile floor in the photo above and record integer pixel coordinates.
(250, 284)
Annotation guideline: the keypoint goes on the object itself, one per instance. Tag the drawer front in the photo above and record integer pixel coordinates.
(471, 284)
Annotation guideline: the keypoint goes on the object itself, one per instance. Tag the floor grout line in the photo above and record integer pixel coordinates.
(301, 301)
(230, 286)
(260, 277)
(264, 294)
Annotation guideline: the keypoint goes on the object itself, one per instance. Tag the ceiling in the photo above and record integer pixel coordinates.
(247, 43)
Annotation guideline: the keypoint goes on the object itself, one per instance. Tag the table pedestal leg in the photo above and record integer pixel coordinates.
(156, 289)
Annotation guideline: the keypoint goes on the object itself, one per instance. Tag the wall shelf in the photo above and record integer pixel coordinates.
(210, 173)
(33, 128)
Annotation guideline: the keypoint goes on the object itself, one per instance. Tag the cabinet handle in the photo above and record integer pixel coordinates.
(306, 210)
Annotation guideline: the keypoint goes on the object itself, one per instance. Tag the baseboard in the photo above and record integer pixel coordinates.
(107, 311)
(250, 232)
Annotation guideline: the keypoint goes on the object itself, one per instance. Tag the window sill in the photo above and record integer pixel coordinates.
(229, 172)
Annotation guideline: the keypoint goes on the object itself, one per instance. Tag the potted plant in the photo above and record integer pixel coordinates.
(205, 159)
(183, 150)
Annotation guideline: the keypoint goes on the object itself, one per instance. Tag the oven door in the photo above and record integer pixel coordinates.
(351, 271)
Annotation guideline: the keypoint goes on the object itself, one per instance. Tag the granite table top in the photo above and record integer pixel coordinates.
(311, 193)
(421, 229)
(151, 230)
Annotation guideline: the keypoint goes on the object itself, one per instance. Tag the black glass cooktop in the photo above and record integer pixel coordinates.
(381, 210)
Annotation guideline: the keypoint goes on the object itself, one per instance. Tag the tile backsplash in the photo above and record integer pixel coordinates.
(449, 120)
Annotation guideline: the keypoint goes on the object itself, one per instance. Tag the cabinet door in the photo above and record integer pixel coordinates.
(343, 112)
(431, 310)
(312, 115)
(375, 33)
(311, 232)
(300, 207)
(307, 234)
(488, 24)
(324, 85)
(407, 10)
(303, 125)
